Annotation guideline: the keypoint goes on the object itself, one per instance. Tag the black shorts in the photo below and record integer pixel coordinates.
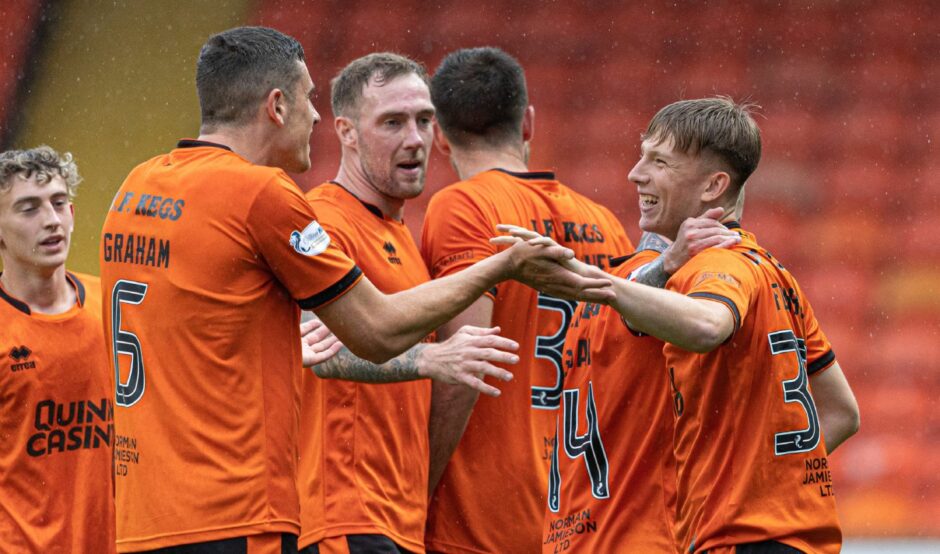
(764, 547)
(357, 544)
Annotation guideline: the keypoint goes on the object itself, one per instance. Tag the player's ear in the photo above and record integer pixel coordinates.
(528, 124)
(275, 106)
(346, 131)
(72, 211)
(440, 140)
(716, 186)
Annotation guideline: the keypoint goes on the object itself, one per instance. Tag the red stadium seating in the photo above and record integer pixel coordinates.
(22, 19)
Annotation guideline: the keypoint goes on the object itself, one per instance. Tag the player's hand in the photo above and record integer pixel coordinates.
(317, 343)
(467, 357)
(554, 270)
(697, 234)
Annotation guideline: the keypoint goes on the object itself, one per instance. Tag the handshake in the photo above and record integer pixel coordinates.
(470, 354)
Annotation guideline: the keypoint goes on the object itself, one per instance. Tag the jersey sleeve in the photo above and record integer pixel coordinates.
(633, 264)
(297, 248)
(719, 276)
(456, 234)
(336, 224)
(628, 270)
(819, 353)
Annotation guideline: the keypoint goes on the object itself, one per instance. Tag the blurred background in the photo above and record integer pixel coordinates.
(847, 194)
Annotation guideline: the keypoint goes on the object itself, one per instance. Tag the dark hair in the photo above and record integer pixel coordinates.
(237, 68)
(480, 93)
(347, 86)
(718, 126)
(41, 162)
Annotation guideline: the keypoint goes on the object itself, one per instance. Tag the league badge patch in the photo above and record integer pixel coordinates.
(311, 241)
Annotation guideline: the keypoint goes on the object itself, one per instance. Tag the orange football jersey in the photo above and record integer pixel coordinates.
(612, 483)
(205, 258)
(56, 412)
(364, 447)
(504, 454)
(751, 460)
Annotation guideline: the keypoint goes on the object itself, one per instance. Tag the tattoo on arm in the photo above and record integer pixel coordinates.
(347, 366)
(652, 241)
(653, 274)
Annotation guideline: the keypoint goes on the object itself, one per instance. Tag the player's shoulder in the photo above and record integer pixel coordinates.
(328, 191)
(239, 176)
(624, 266)
(487, 184)
(88, 288)
(728, 264)
(477, 195)
(337, 207)
(587, 203)
(329, 195)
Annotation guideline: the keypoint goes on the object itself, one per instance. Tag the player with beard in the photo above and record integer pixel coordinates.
(364, 447)
(208, 254)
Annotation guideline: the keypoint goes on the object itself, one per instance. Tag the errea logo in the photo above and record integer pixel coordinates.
(392, 253)
(312, 241)
(20, 356)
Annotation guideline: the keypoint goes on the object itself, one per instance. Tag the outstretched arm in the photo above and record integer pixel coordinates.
(693, 324)
(838, 409)
(377, 327)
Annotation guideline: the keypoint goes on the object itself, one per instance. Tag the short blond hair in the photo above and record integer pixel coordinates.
(41, 162)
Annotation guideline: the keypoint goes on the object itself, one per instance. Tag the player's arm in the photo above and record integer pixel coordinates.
(460, 361)
(377, 327)
(695, 235)
(451, 405)
(694, 324)
(835, 402)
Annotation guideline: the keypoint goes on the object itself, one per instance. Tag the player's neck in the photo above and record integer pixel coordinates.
(44, 291)
(244, 141)
(352, 178)
(472, 161)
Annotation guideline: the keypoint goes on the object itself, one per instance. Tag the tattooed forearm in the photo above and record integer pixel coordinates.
(653, 274)
(346, 365)
(652, 241)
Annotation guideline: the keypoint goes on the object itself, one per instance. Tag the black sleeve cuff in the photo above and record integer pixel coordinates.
(331, 292)
(822, 363)
(724, 300)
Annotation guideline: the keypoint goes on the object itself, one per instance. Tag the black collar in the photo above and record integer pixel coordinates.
(619, 260)
(374, 209)
(24, 307)
(193, 143)
(733, 225)
(533, 175)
